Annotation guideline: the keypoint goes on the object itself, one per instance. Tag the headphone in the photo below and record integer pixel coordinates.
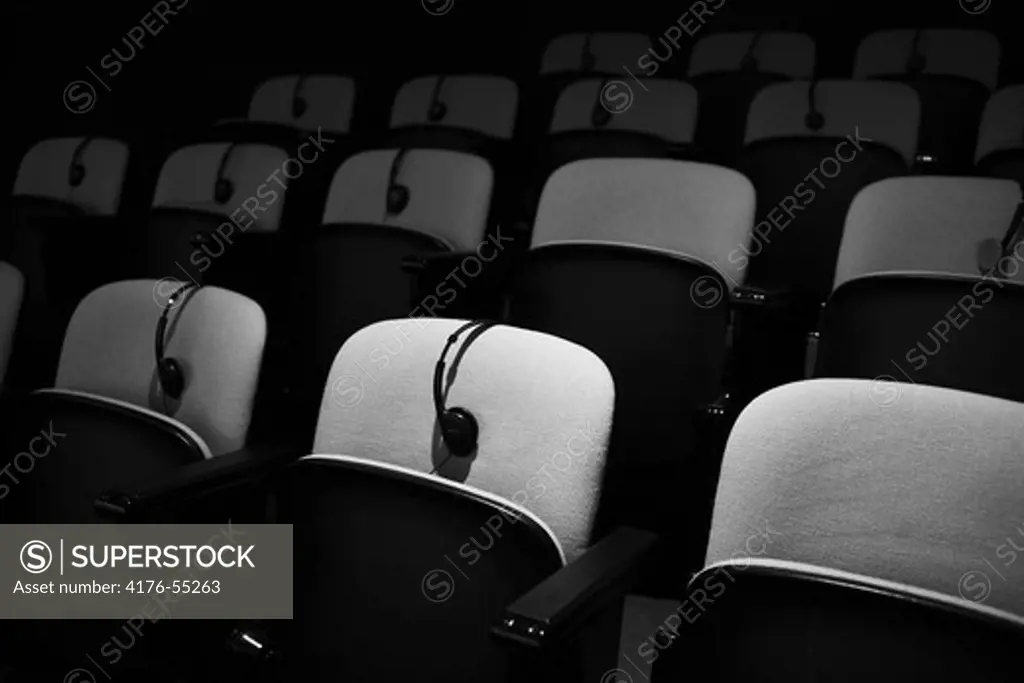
(916, 61)
(299, 104)
(438, 109)
(169, 371)
(459, 429)
(398, 194)
(1015, 234)
(814, 120)
(599, 115)
(587, 60)
(749, 63)
(223, 188)
(991, 252)
(76, 170)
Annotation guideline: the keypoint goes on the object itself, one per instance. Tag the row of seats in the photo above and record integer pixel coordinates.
(953, 72)
(972, 54)
(866, 501)
(681, 115)
(443, 201)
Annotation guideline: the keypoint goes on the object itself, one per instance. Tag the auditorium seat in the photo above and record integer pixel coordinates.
(628, 258)
(601, 118)
(115, 423)
(953, 72)
(891, 480)
(208, 197)
(456, 112)
(868, 131)
(667, 110)
(729, 69)
(385, 207)
(586, 53)
(1000, 152)
(494, 541)
(571, 57)
(283, 110)
(65, 238)
(306, 102)
(928, 286)
(769, 620)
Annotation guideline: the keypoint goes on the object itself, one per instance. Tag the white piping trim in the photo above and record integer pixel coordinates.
(872, 582)
(938, 274)
(138, 409)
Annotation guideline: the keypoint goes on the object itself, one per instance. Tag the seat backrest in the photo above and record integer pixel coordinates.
(969, 54)
(610, 51)
(543, 405)
(485, 104)
(1002, 124)
(216, 335)
(665, 108)
(45, 170)
(926, 225)
(189, 177)
(329, 102)
(11, 288)
(782, 53)
(449, 193)
(695, 210)
(902, 482)
(884, 113)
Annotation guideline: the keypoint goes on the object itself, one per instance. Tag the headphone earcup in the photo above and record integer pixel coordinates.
(76, 174)
(438, 110)
(460, 431)
(223, 190)
(815, 120)
(398, 199)
(172, 378)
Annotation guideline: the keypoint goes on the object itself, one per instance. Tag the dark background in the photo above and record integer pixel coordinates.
(207, 60)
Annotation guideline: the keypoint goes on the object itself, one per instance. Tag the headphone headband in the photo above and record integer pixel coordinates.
(398, 195)
(299, 104)
(1015, 233)
(168, 370)
(815, 120)
(437, 109)
(223, 188)
(749, 61)
(76, 169)
(916, 61)
(587, 59)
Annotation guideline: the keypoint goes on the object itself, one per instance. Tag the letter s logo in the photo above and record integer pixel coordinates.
(36, 557)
